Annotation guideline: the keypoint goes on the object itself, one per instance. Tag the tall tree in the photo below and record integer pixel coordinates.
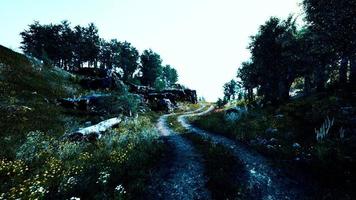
(67, 41)
(335, 20)
(151, 67)
(128, 60)
(249, 77)
(170, 75)
(273, 55)
(109, 55)
(230, 90)
(91, 44)
(42, 42)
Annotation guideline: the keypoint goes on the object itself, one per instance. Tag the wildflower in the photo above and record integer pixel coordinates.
(104, 177)
(120, 189)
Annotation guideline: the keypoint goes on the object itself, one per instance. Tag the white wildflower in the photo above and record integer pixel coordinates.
(120, 189)
(103, 177)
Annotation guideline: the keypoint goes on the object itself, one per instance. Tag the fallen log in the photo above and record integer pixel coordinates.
(94, 132)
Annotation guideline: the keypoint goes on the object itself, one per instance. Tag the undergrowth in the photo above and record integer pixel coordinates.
(286, 134)
(115, 167)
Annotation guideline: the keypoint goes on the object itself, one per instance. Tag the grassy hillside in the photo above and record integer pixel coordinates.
(36, 164)
(28, 93)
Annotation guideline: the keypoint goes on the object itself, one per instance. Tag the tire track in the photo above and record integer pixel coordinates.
(264, 181)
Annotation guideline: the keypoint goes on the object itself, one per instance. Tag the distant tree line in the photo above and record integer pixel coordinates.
(78, 47)
(322, 53)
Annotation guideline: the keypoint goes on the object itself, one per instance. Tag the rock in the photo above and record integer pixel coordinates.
(279, 116)
(155, 98)
(296, 146)
(347, 110)
(80, 104)
(165, 105)
(271, 131)
(273, 141)
(87, 123)
(83, 103)
(172, 94)
(261, 141)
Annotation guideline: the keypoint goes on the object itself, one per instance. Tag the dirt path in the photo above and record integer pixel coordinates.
(181, 176)
(263, 181)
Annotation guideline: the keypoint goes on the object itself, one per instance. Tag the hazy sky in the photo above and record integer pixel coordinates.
(205, 40)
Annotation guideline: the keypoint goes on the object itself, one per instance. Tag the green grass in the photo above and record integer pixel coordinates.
(49, 168)
(36, 164)
(331, 162)
(28, 93)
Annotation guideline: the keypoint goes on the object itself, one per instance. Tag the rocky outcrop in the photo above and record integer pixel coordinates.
(164, 100)
(83, 103)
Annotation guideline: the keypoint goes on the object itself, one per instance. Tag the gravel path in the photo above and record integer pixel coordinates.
(181, 176)
(263, 181)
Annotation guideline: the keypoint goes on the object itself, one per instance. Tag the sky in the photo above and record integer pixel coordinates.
(205, 40)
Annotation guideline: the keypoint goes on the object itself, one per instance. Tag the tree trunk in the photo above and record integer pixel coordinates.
(94, 132)
(307, 85)
(283, 91)
(250, 94)
(320, 78)
(343, 71)
(353, 71)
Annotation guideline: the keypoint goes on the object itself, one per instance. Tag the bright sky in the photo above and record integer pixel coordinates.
(205, 40)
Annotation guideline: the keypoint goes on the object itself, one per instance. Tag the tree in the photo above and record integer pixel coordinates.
(220, 103)
(67, 41)
(335, 20)
(128, 60)
(91, 44)
(109, 55)
(273, 56)
(249, 77)
(170, 75)
(151, 67)
(230, 90)
(42, 42)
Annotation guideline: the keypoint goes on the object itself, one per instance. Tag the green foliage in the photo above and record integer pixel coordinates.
(112, 167)
(128, 60)
(320, 52)
(220, 103)
(231, 90)
(151, 67)
(28, 92)
(170, 75)
(274, 63)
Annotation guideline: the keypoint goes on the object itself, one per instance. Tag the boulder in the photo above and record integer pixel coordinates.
(271, 131)
(83, 103)
(158, 100)
(296, 146)
(165, 105)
